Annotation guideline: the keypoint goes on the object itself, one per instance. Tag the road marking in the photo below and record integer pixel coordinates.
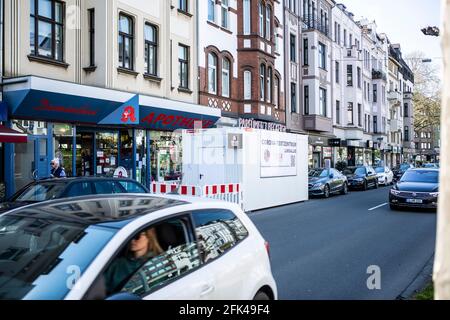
(381, 205)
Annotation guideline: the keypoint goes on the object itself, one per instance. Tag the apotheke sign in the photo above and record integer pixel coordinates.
(255, 124)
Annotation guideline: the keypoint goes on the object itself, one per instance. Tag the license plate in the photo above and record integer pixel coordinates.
(414, 200)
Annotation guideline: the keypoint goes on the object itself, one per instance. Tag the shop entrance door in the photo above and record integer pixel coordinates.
(85, 154)
(316, 160)
(31, 161)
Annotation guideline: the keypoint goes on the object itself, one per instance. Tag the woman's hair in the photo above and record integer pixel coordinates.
(153, 243)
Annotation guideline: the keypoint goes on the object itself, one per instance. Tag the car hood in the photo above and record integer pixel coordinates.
(417, 187)
(315, 180)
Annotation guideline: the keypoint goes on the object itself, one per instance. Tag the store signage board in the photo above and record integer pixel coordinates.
(334, 142)
(278, 154)
(256, 124)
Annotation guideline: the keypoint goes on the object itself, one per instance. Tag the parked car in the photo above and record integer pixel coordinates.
(49, 189)
(323, 182)
(385, 175)
(400, 170)
(132, 246)
(431, 165)
(362, 177)
(418, 188)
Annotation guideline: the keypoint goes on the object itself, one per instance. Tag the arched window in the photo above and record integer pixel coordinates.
(261, 19)
(226, 77)
(276, 90)
(247, 85)
(268, 23)
(269, 84)
(262, 77)
(212, 73)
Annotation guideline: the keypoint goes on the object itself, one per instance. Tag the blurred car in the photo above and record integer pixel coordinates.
(48, 189)
(418, 188)
(400, 170)
(385, 175)
(363, 177)
(323, 182)
(132, 247)
(431, 166)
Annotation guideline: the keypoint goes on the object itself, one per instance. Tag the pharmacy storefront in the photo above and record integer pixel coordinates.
(94, 131)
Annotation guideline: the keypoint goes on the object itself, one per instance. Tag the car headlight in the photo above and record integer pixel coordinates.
(434, 194)
(395, 192)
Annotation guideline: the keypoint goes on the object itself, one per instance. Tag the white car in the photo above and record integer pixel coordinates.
(385, 175)
(133, 246)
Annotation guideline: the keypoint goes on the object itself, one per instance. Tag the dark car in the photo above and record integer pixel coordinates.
(49, 189)
(418, 188)
(400, 170)
(363, 177)
(323, 182)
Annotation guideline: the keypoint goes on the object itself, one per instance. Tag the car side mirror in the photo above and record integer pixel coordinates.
(331, 176)
(124, 296)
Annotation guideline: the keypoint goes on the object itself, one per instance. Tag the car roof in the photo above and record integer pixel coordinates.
(424, 169)
(71, 179)
(98, 209)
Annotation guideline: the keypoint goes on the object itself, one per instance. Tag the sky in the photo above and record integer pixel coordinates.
(402, 21)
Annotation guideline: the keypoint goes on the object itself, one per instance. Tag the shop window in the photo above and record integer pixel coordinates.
(166, 156)
(107, 153)
(63, 146)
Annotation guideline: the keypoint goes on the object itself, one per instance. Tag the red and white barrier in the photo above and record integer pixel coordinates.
(230, 192)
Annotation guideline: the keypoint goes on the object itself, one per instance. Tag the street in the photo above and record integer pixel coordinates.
(321, 249)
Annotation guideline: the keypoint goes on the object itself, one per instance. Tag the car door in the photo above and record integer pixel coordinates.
(339, 180)
(389, 174)
(173, 272)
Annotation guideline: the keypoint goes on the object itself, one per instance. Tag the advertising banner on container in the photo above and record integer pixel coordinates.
(278, 154)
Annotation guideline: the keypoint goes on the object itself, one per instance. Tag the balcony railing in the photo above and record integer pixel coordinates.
(310, 22)
(394, 96)
(378, 75)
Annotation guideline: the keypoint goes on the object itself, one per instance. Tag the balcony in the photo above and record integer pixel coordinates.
(311, 22)
(317, 123)
(378, 75)
(407, 95)
(394, 96)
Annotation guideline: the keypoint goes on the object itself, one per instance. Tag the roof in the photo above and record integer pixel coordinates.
(98, 209)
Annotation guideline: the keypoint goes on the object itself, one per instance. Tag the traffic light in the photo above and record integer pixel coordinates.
(431, 31)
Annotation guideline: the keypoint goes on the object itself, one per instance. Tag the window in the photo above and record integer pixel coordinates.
(47, 29)
(350, 41)
(268, 23)
(406, 110)
(212, 73)
(126, 42)
(337, 71)
(375, 93)
(322, 102)
(306, 99)
(79, 189)
(305, 52)
(226, 78)
(338, 112)
(132, 187)
(276, 92)
(368, 123)
(292, 46)
(322, 54)
(406, 133)
(345, 38)
(269, 84)
(224, 13)
(151, 49)
(247, 85)
(358, 75)
(359, 115)
(211, 10)
(183, 5)
(350, 113)
(218, 231)
(293, 97)
(91, 21)
(349, 75)
(261, 19)
(183, 60)
(335, 32)
(247, 16)
(262, 82)
(107, 187)
(375, 124)
(173, 251)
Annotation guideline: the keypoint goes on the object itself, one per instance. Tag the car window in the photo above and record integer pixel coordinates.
(132, 187)
(79, 189)
(107, 187)
(420, 176)
(170, 251)
(217, 232)
(41, 192)
(361, 171)
(380, 170)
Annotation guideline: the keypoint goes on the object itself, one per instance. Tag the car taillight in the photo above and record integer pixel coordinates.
(266, 244)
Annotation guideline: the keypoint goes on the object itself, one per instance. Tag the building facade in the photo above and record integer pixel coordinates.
(100, 85)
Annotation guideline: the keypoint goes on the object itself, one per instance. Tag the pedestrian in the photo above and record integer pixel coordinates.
(56, 171)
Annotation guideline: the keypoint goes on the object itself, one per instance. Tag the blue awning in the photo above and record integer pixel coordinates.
(52, 100)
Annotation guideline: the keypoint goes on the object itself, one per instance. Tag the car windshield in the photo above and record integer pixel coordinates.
(379, 170)
(359, 171)
(405, 166)
(41, 191)
(39, 257)
(319, 173)
(420, 176)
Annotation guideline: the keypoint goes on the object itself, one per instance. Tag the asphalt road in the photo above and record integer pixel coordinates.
(322, 248)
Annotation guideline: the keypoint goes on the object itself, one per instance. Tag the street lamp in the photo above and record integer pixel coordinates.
(431, 31)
